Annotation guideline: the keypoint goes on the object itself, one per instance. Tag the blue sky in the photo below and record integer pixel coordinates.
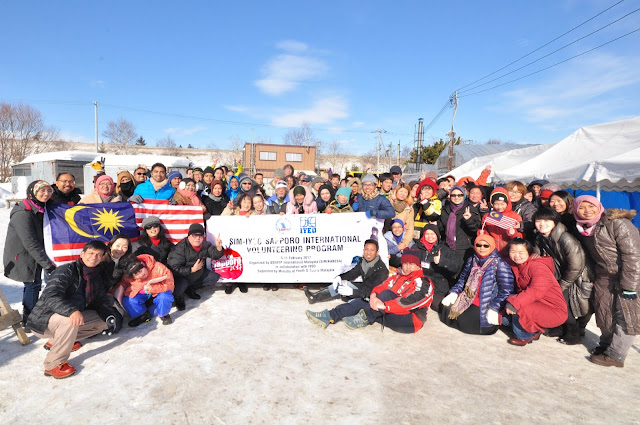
(347, 68)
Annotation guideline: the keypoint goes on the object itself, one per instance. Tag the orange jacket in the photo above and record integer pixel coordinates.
(156, 269)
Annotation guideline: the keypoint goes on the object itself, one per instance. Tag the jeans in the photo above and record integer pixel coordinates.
(518, 331)
(30, 294)
(136, 306)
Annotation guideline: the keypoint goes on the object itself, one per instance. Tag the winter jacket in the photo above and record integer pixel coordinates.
(374, 277)
(333, 206)
(160, 252)
(147, 191)
(24, 246)
(525, 210)
(424, 214)
(414, 291)
(65, 294)
(570, 266)
(617, 267)
(308, 204)
(215, 207)
(71, 198)
(156, 269)
(94, 198)
(378, 207)
(503, 236)
(182, 257)
(538, 301)
(465, 229)
(406, 215)
(496, 285)
(443, 273)
(114, 271)
(277, 206)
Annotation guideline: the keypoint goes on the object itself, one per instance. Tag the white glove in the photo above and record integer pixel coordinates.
(492, 317)
(345, 290)
(449, 299)
(336, 282)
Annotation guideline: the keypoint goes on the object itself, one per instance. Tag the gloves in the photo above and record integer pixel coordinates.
(114, 323)
(492, 317)
(173, 201)
(368, 214)
(629, 295)
(345, 290)
(449, 299)
(136, 199)
(50, 269)
(336, 282)
(355, 206)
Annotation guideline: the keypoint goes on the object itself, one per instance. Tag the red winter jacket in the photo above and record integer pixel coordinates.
(414, 292)
(538, 301)
(502, 236)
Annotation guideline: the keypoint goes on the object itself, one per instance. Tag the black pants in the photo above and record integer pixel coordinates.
(402, 323)
(468, 322)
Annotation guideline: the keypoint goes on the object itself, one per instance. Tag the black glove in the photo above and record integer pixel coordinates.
(114, 323)
(629, 295)
(50, 269)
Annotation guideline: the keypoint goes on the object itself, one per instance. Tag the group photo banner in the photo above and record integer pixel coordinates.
(296, 248)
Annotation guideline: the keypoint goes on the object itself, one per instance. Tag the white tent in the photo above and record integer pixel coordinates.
(498, 161)
(568, 161)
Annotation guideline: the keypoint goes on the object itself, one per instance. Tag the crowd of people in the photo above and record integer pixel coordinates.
(527, 258)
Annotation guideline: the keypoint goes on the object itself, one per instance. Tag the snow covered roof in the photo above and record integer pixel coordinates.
(465, 153)
(61, 156)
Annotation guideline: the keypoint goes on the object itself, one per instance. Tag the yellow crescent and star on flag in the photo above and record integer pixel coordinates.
(107, 221)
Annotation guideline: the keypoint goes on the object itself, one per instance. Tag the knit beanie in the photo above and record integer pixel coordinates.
(433, 228)
(410, 256)
(369, 178)
(173, 174)
(299, 190)
(207, 170)
(498, 196)
(150, 221)
(346, 191)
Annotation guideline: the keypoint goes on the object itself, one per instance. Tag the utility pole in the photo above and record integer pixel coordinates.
(398, 161)
(96, 108)
(379, 145)
(390, 154)
(418, 148)
(452, 133)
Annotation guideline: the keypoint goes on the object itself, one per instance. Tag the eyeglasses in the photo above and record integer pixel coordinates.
(152, 226)
(483, 245)
(67, 181)
(456, 195)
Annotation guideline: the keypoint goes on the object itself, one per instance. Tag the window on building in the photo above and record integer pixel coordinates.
(293, 157)
(267, 156)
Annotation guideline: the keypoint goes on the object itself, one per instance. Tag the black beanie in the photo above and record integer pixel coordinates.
(299, 190)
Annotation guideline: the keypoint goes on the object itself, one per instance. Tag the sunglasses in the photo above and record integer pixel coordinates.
(197, 235)
(152, 226)
(483, 245)
(141, 174)
(456, 195)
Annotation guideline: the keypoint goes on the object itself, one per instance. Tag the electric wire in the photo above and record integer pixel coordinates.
(549, 54)
(541, 47)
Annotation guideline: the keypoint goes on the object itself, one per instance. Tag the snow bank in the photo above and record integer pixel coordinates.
(61, 155)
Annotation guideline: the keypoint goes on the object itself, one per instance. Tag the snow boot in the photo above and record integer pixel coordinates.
(144, 317)
(358, 321)
(318, 297)
(322, 318)
(571, 334)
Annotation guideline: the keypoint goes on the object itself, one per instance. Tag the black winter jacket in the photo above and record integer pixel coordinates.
(62, 198)
(24, 246)
(376, 275)
(160, 252)
(65, 293)
(215, 207)
(465, 229)
(442, 274)
(182, 257)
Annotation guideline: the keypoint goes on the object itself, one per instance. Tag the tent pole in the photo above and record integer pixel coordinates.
(598, 191)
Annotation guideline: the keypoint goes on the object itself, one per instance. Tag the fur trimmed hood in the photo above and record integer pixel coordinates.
(615, 213)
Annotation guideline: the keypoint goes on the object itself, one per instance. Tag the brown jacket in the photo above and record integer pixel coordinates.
(618, 243)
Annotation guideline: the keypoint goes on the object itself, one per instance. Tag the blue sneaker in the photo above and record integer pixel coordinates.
(322, 318)
(358, 321)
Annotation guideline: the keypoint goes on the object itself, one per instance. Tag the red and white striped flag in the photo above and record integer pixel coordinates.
(501, 220)
(175, 219)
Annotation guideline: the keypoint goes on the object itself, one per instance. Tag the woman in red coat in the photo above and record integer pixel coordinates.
(538, 303)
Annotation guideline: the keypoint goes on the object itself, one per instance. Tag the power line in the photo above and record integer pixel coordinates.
(547, 55)
(551, 66)
(541, 47)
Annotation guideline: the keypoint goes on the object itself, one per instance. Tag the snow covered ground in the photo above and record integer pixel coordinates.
(255, 358)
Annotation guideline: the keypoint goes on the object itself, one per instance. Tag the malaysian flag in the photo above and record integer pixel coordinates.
(68, 228)
(501, 220)
(175, 219)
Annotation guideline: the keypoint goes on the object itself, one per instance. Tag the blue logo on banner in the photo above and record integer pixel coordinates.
(307, 224)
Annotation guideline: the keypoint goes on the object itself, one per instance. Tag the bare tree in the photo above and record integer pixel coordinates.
(302, 136)
(22, 129)
(169, 145)
(336, 156)
(121, 134)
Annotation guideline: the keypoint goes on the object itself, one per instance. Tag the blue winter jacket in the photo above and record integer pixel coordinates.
(147, 191)
(496, 285)
(378, 207)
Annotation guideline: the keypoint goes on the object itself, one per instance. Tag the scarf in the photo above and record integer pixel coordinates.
(451, 224)
(192, 196)
(426, 244)
(586, 227)
(399, 206)
(373, 194)
(468, 294)
(158, 185)
(127, 189)
(366, 266)
(398, 239)
(89, 274)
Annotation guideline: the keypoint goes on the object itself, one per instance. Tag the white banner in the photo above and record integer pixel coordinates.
(306, 248)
